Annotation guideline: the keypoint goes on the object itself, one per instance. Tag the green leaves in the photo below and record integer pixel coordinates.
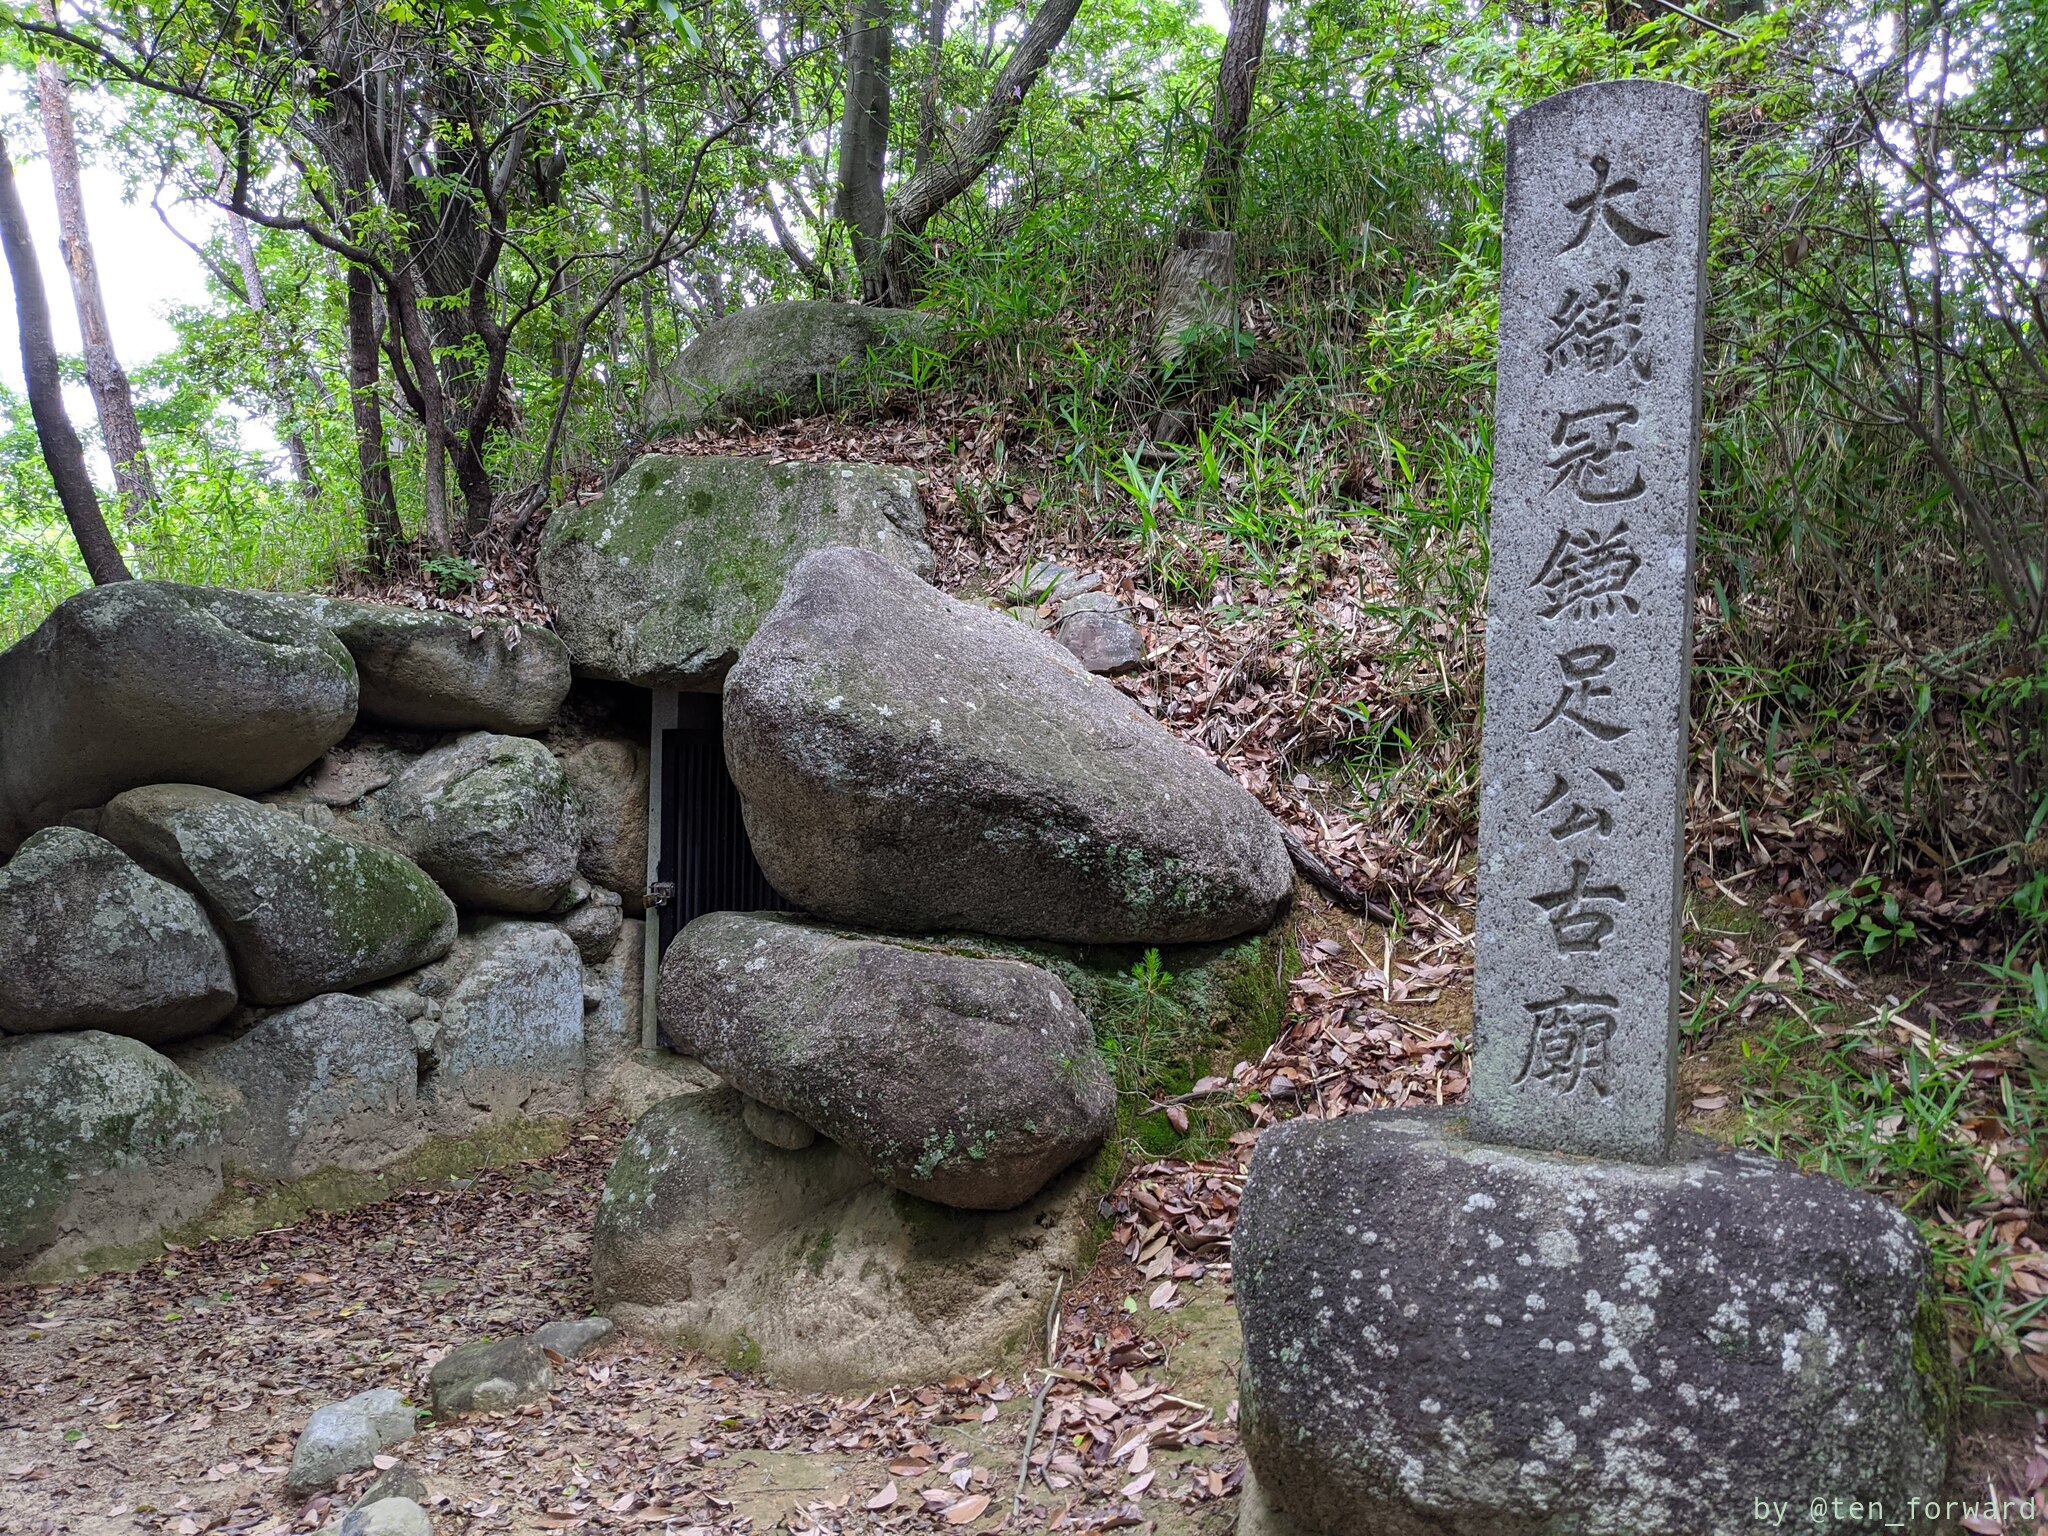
(557, 30)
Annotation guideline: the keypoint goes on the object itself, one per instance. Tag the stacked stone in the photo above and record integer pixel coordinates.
(896, 1110)
(292, 886)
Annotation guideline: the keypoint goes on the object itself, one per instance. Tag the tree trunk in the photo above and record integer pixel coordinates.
(864, 142)
(373, 468)
(1223, 162)
(928, 106)
(111, 397)
(646, 210)
(920, 199)
(1197, 288)
(413, 342)
(282, 401)
(549, 172)
(1197, 303)
(61, 450)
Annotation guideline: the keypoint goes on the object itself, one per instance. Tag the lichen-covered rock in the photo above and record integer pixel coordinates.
(331, 1083)
(574, 1337)
(397, 1481)
(612, 993)
(349, 772)
(1226, 1003)
(1229, 994)
(347, 1436)
(908, 761)
(145, 682)
(693, 1195)
(594, 923)
(490, 1376)
(1443, 1338)
(441, 671)
(797, 1264)
(775, 1127)
(393, 1515)
(661, 580)
(500, 1026)
(1107, 643)
(761, 364)
(609, 776)
(492, 818)
(841, 1031)
(103, 1145)
(303, 911)
(91, 940)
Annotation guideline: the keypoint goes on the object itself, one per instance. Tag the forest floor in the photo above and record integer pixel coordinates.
(168, 1400)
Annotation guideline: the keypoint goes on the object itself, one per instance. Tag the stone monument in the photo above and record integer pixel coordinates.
(1589, 622)
(1548, 1312)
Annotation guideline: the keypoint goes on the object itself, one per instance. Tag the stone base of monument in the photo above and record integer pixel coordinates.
(1447, 1337)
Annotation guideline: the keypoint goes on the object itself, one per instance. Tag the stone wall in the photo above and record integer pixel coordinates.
(296, 884)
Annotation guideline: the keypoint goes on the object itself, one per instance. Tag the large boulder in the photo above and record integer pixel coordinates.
(303, 911)
(798, 1264)
(908, 761)
(661, 580)
(760, 364)
(1443, 1338)
(143, 682)
(441, 671)
(841, 1031)
(500, 1026)
(491, 818)
(106, 1146)
(331, 1083)
(91, 940)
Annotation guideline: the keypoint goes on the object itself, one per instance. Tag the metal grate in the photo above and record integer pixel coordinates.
(706, 861)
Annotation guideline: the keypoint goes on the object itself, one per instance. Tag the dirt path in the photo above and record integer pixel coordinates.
(168, 1400)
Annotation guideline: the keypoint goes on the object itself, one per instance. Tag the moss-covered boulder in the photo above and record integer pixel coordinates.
(91, 940)
(841, 1031)
(613, 991)
(776, 360)
(303, 911)
(104, 1145)
(145, 682)
(908, 761)
(330, 1083)
(661, 580)
(1228, 998)
(441, 671)
(492, 818)
(796, 1263)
